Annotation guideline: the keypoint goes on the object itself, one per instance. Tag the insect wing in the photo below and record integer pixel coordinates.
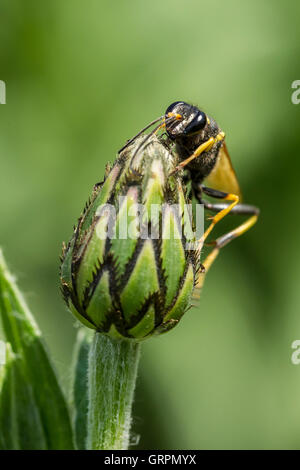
(223, 176)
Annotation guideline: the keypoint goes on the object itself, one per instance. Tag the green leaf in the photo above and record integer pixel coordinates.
(79, 386)
(34, 369)
(20, 422)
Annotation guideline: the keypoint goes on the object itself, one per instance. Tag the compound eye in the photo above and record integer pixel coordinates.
(197, 124)
(174, 107)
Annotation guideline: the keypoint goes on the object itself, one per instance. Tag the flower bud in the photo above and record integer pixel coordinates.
(127, 271)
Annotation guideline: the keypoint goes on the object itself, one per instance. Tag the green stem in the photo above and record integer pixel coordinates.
(111, 379)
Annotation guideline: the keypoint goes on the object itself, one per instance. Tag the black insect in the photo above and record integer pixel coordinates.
(202, 152)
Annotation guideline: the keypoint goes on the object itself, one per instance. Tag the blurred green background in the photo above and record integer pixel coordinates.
(84, 76)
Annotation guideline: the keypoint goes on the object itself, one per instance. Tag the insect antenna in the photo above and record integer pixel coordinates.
(141, 132)
(142, 144)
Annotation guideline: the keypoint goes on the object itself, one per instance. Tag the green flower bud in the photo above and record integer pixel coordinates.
(127, 271)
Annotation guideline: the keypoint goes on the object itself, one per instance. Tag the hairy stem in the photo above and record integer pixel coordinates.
(111, 380)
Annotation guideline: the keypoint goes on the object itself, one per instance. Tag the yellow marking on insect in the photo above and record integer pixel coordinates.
(202, 148)
(240, 230)
(223, 177)
(243, 228)
(220, 136)
(207, 264)
(175, 115)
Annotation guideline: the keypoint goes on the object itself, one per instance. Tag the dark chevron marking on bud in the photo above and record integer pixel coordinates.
(65, 292)
(118, 277)
(159, 307)
(180, 285)
(198, 267)
(131, 263)
(152, 299)
(132, 177)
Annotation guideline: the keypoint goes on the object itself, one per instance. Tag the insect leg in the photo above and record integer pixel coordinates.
(210, 258)
(220, 242)
(239, 209)
(171, 117)
(202, 148)
(223, 240)
(222, 213)
(223, 209)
